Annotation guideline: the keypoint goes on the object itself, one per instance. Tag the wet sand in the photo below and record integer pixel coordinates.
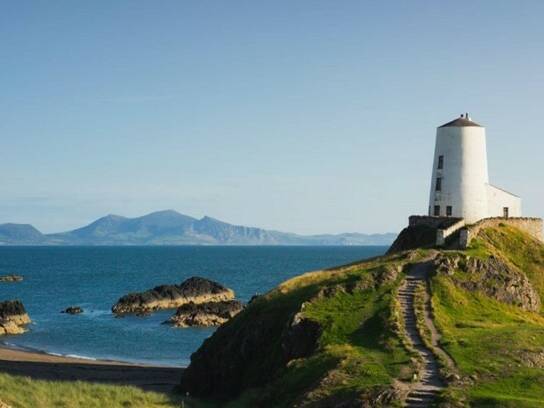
(41, 366)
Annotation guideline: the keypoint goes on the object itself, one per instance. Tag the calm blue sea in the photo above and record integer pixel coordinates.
(95, 277)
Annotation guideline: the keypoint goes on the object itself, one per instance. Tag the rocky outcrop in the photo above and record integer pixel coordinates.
(13, 317)
(196, 290)
(205, 314)
(492, 277)
(419, 236)
(73, 310)
(11, 278)
(300, 337)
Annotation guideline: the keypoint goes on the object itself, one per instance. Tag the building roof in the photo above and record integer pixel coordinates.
(460, 122)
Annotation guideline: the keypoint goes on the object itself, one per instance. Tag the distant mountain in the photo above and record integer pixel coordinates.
(172, 228)
(24, 234)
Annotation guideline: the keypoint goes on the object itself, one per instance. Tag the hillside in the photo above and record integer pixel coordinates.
(450, 328)
(20, 233)
(172, 228)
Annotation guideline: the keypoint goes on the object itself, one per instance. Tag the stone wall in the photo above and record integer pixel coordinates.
(532, 226)
(443, 234)
(433, 222)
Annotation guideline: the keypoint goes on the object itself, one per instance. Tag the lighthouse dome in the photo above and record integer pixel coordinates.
(463, 121)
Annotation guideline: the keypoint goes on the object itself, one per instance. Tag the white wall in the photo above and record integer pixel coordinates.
(498, 199)
(464, 176)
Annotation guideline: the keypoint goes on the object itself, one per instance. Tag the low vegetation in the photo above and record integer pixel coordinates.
(22, 392)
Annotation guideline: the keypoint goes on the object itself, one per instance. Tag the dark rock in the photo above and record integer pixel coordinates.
(420, 236)
(205, 314)
(254, 298)
(11, 278)
(300, 337)
(73, 310)
(195, 290)
(13, 317)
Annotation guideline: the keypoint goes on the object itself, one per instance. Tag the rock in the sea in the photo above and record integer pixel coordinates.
(73, 310)
(13, 317)
(205, 314)
(11, 278)
(195, 290)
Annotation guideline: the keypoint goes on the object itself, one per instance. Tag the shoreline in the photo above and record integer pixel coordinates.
(42, 366)
(34, 353)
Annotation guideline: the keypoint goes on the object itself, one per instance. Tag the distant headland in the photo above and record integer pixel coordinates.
(172, 228)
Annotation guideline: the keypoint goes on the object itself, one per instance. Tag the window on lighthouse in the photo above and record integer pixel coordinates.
(440, 162)
(436, 210)
(438, 184)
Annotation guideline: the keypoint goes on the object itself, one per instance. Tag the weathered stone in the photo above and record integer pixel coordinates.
(493, 277)
(73, 310)
(195, 290)
(386, 274)
(532, 359)
(205, 314)
(13, 317)
(11, 278)
(300, 337)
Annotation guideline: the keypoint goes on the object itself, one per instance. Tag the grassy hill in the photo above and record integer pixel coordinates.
(336, 337)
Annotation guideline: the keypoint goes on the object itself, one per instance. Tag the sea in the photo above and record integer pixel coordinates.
(94, 278)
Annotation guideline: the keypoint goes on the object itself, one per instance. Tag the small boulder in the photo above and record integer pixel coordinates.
(205, 314)
(73, 310)
(13, 317)
(11, 278)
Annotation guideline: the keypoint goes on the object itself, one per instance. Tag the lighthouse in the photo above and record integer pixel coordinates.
(460, 185)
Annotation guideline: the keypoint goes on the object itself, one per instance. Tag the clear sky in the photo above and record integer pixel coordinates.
(303, 116)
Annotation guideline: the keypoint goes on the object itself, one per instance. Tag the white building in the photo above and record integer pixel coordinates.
(460, 185)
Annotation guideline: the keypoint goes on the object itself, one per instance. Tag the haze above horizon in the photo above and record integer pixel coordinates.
(308, 117)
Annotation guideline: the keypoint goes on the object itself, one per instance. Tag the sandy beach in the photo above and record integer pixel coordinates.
(43, 366)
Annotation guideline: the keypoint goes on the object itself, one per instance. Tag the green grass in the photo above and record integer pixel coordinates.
(488, 339)
(22, 392)
(358, 351)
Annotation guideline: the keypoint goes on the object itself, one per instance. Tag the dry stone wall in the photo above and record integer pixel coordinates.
(532, 226)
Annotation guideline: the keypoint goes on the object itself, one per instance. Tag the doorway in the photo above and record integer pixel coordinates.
(506, 212)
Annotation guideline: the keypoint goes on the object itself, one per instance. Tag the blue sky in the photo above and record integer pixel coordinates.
(303, 116)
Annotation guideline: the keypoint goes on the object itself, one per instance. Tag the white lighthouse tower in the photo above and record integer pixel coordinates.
(460, 183)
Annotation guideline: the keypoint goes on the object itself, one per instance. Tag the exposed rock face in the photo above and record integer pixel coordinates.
(300, 337)
(493, 277)
(73, 310)
(237, 346)
(205, 314)
(419, 236)
(196, 290)
(13, 317)
(11, 278)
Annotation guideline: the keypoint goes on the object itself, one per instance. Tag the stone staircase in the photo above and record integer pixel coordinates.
(430, 384)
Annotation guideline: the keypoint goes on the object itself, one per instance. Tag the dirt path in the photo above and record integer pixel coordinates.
(430, 384)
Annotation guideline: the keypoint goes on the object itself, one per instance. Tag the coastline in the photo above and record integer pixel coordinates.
(42, 366)
(38, 354)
